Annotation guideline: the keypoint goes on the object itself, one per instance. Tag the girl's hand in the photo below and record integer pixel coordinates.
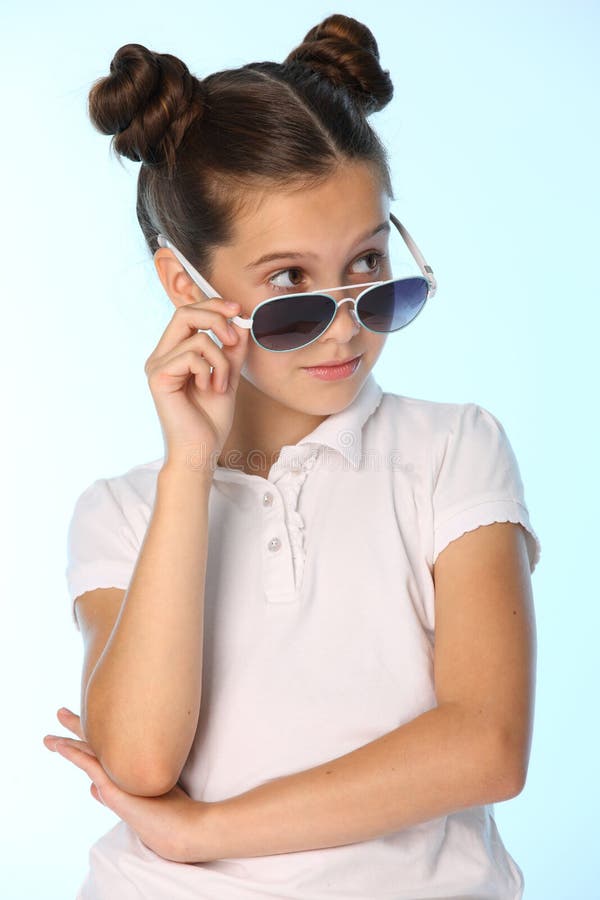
(195, 415)
(171, 825)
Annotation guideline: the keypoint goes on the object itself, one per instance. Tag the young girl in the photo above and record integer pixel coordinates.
(308, 672)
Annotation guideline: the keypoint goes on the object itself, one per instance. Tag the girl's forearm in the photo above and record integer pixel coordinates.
(440, 762)
(142, 702)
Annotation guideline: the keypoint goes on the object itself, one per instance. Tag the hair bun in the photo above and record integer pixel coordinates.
(147, 102)
(345, 51)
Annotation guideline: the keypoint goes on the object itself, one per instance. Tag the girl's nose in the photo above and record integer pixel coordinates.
(346, 312)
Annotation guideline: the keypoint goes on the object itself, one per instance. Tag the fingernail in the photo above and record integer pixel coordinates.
(231, 303)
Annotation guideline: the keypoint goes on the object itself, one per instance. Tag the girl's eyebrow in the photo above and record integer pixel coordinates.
(293, 254)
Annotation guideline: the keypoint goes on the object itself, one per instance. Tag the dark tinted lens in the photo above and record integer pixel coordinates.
(388, 307)
(291, 322)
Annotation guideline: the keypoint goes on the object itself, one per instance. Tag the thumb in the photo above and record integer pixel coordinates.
(96, 793)
(238, 353)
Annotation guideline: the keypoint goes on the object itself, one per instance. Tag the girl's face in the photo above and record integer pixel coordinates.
(323, 237)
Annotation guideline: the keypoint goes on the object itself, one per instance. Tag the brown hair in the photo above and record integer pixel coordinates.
(203, 143)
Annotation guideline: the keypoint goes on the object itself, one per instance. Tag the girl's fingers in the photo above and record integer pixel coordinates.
(189, 318)
(50, 740)
(83, 760)
(71, 721)
(199, 350)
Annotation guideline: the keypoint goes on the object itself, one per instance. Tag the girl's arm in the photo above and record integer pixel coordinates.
(472, 749)
(433, 765)
(141, 706)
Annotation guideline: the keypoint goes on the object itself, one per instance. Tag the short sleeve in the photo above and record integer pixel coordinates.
(478, 481)
(102, 548)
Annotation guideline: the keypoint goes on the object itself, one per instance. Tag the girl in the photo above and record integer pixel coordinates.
(308, 672)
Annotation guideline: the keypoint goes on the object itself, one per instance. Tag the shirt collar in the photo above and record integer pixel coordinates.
(343, 431)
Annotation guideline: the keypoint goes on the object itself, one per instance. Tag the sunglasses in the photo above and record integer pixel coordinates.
(293, 321)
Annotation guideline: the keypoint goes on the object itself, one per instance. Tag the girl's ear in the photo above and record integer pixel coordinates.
(180, 287)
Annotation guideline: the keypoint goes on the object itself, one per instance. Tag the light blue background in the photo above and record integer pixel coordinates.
(493, 135)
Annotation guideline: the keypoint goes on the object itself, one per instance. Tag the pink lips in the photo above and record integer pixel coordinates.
(327, 372)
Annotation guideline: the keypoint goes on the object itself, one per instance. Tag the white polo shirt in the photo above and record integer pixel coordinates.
(319, 638)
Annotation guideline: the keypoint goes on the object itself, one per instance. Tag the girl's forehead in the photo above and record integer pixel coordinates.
(332, 211)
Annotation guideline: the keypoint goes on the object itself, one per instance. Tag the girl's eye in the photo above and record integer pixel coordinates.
(284, 287)
(374, 255)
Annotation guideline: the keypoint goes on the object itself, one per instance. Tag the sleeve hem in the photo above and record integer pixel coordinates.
(90, 581)
(485, 513)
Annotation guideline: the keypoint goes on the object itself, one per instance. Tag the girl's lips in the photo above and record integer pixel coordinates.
(334, 373)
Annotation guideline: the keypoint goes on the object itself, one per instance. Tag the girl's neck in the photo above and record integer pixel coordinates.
(261, 427)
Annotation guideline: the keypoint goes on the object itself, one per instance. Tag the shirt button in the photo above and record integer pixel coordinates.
(274, 544)
(296, 470)
(268, 499)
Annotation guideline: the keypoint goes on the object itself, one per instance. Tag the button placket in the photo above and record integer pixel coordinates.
(278, 567)
(291, 485)
(274, 544)
(283, 526)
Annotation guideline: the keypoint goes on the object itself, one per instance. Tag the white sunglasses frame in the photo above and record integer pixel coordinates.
(209, 290)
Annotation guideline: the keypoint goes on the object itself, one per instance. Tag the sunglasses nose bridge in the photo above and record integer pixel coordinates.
(353, 315)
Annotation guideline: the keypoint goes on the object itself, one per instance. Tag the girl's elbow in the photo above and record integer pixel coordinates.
(139, 777)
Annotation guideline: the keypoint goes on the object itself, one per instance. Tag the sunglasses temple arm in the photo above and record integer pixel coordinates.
(425, 269)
